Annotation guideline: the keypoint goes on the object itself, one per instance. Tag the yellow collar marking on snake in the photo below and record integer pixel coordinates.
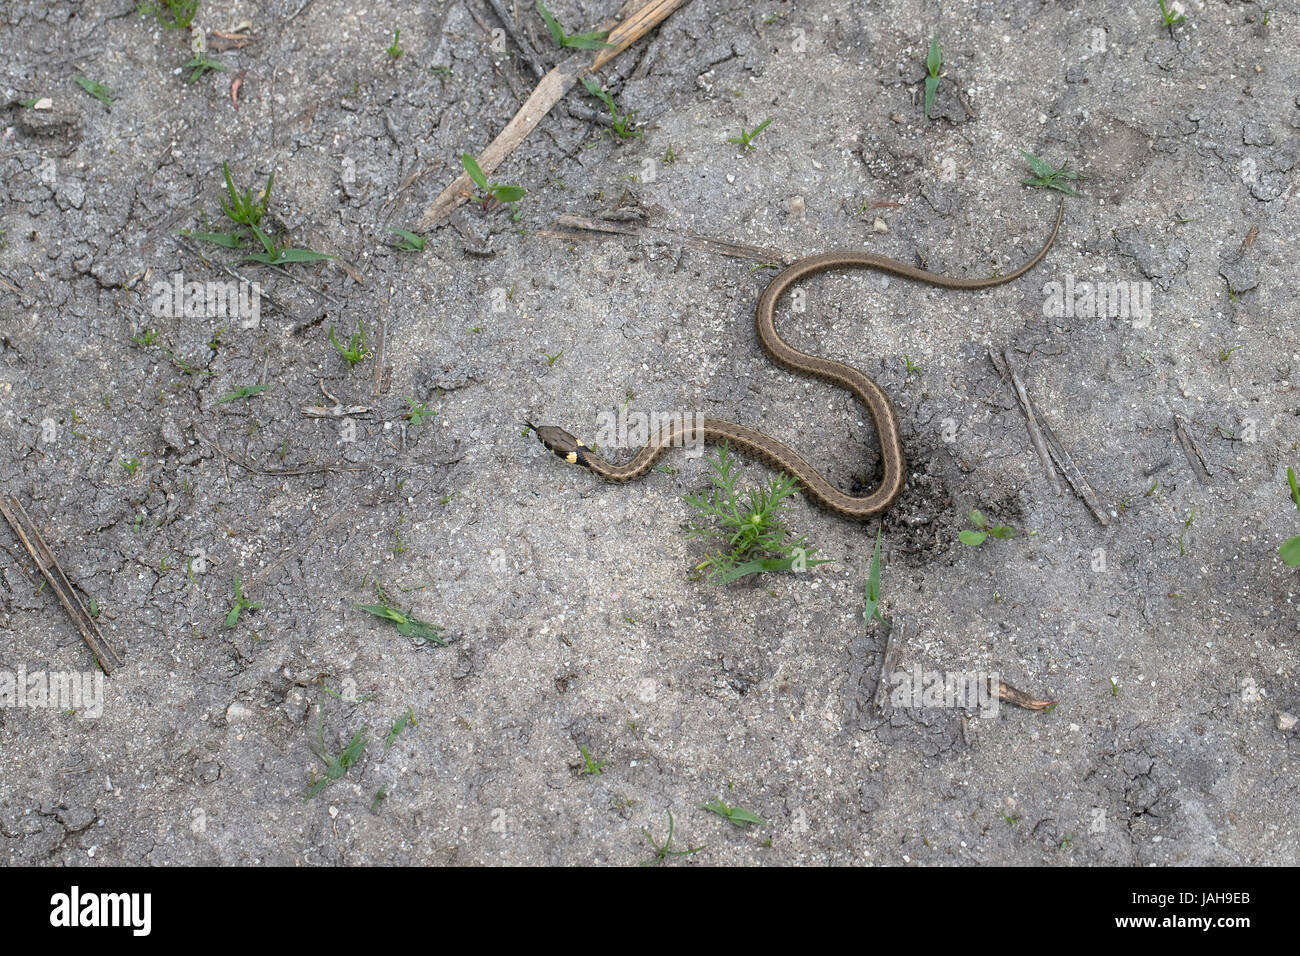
(767, 449)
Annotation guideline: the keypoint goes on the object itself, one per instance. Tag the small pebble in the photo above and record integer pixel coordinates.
(237, 711)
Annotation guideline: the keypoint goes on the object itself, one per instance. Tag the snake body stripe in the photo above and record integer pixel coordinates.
(767, 449)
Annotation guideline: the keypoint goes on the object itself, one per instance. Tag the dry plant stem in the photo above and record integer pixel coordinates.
(634, 25)
(288, 471)
(1073, 473)
(1190, 450)
(525, 49)
(1031, 421)
(44, 559)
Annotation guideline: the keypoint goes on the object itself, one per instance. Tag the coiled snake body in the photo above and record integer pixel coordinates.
(767, 449)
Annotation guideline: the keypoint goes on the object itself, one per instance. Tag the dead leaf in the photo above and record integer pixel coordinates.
(221, 41)
(1018, 697)
(351, 271)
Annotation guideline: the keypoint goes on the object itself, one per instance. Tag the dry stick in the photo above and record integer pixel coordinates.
(1189, 449)
(1031, 420)
(889, 665)
(525, 49)
(589, 229)
(280, 472)
(634, 27)
(338, 411)
(549, 91)
(377, 360)
(587, 115)
(1073, 473)
(44, 559)
(293, 16)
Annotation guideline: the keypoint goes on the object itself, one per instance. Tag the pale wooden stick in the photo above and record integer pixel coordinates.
(633, 28)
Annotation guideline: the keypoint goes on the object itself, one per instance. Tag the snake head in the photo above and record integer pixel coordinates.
(561, 442)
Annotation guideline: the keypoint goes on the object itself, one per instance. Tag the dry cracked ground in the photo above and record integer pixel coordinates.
(165, 451)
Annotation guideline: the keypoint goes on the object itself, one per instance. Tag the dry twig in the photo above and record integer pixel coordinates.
(44, 559)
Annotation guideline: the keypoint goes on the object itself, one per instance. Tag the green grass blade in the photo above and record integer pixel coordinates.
(264, 239)
(588, 41)
(415, 240)
(1039, 167)
(873, 582)
(760, 565)
(98, 90)
(934, 59)
(594, 89)
(472, 167)
(384, 611)
(300, 255)
(552, 24)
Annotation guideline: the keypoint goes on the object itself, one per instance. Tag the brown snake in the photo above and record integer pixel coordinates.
(763, 447)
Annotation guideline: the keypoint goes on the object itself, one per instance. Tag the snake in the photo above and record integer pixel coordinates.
(765, 448)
